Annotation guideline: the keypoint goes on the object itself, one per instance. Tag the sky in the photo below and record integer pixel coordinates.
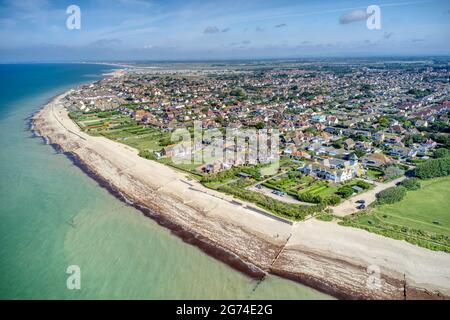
(36, 30)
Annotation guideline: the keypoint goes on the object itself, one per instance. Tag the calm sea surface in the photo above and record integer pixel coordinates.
(52, 215)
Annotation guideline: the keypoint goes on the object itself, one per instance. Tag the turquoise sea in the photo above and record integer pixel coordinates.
(52, 215)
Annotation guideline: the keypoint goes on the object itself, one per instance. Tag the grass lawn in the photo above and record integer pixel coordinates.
(422, 217)
(374, 174)
(422, 209)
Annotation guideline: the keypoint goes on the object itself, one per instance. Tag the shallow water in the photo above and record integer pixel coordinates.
(52, 215)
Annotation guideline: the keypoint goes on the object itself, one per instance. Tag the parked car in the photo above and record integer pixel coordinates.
(361, 201)
(258, 186)
(361, 206)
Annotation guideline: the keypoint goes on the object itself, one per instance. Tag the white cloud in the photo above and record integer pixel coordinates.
(353, 16)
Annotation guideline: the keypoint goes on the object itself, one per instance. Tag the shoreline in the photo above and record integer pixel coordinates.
(187, 237)
(254, 249)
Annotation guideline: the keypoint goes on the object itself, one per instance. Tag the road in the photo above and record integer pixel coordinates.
(349, 206)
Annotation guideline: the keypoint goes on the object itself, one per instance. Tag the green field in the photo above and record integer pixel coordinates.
(426, 209)
(422, 217)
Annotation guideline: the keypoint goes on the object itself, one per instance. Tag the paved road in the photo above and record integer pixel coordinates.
(349, 206)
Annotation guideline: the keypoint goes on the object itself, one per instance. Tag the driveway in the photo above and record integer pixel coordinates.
(349, 206)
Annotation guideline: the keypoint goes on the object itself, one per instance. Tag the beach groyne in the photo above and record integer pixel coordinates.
(344, 262)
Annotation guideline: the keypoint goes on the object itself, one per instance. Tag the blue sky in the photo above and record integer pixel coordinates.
(35, 30)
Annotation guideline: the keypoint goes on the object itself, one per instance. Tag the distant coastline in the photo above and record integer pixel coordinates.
(304, 252)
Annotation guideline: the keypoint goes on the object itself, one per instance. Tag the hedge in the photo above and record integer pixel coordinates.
(411, 184)
(433, 168)
(309, 197)
(391, 195)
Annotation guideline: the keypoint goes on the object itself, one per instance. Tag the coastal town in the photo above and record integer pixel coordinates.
(359, 153)
(230, 157)
(336, 122)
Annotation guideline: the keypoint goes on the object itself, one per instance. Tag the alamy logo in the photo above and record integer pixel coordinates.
(74, 19)
(374, 279)
(74, 279)
(373, 17)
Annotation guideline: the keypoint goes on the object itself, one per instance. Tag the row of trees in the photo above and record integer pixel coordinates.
(433, 168)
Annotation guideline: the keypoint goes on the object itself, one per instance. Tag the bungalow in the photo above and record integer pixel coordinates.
(139, 115)
(376, 160)
(379, 136)
(319, 126)
(364, 146)
(403, 152)
(421, 123)
(318, 118)
(397, 129)
(429, 144)
(393, 140)
(168, 151)
(349, 144)
(289, 150)
(332, 120)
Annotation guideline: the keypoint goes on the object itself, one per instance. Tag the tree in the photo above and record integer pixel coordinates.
(408, 140)
(333, 200)
(440, 153)
(440, 138)
(391, 195)
(345, 191)
(360, 153)
(392, 172)
(260, 125)
(238, 92)
(337, 144)
(411, 184)
(433, 168)
(384, 122)
(363, 184)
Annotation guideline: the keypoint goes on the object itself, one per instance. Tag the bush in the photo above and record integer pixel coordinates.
(289, 210)
(309, 197)
(345, 191)
(411, 184)
(440, 153)
(392, 172)
(220, 176)
(391, 195)
(325, 217)
(333, 200)
(147, 155)
(433, 168)
(363, 184)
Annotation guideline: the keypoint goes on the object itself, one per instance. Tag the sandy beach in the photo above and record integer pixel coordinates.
(341, 261)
